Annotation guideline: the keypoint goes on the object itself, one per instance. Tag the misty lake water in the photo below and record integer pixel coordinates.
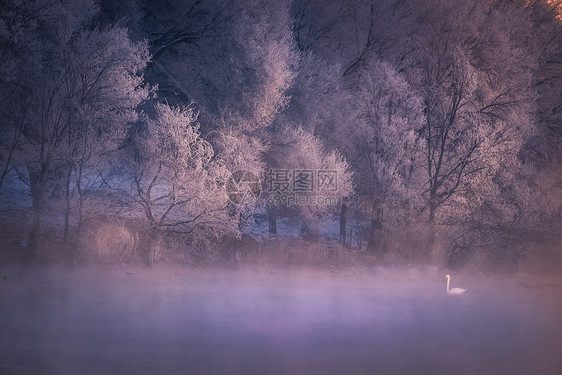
(115, 320)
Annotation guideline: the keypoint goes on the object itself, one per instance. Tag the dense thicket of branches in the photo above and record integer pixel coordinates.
(439, 115)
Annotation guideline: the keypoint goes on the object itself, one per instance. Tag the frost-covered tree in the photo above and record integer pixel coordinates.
(15, 115)
(176, 186)
(79, 88)
(475, 83)
(49, 27)
(242, 156)
(302, 155)
(235, 62)
(382, 145)
(442, 95)
(467, 62)
(546, 44)
(102, 88)
(20, 49)
(272, 56)
(318, 100)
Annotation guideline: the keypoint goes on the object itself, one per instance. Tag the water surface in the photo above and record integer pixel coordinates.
(115, 320)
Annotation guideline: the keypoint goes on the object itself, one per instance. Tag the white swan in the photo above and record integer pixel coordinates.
(454, 290)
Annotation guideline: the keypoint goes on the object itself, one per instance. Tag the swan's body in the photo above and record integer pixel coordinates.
(453, 290)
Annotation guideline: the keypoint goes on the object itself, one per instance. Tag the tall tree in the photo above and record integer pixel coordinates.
(103, 85)
(175, 183)
(476, 88)
(383, 147)
(82, 83)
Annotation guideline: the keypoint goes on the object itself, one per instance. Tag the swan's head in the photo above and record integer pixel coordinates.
(447, 276)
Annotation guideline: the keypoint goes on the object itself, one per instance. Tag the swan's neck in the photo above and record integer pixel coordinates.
(448, 280)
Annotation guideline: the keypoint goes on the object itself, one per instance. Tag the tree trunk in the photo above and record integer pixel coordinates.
(18, 131)
(432, 209)
(37, 183)
(34, 233)
(272, 220)
(152, 243)
(376, 226)
(431, 235)
(343, 224)
(76, 248)
(65, 242)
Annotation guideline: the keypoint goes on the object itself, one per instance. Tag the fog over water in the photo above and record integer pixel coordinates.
(114, 320)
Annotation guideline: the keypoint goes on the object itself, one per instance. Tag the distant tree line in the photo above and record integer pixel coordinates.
(443, 116)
